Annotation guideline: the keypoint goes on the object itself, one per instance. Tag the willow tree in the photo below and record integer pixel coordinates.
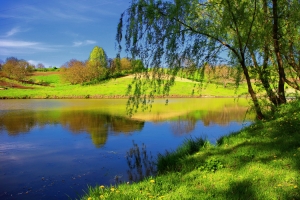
(166, 32)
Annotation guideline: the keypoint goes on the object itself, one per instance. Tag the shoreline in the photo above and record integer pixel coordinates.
(120, 97)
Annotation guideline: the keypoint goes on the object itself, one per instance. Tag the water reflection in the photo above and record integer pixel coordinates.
(186, 123)
(98, 125)
(140, 162)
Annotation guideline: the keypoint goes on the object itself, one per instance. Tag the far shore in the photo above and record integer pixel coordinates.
(121, 97)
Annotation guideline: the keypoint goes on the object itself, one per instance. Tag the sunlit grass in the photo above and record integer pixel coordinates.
(259, 162)
(57, 88)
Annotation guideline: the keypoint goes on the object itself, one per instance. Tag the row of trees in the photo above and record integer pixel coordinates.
(98, 67)
(18, 69)
(261, 37)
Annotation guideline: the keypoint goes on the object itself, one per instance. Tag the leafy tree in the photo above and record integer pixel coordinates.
(1, 64)
(99, 56)
(18, 69)
(137, 65)
(125, 64)
(78, 72)
(75, 72)
(259, 36)
(40, 66)
(98, 59)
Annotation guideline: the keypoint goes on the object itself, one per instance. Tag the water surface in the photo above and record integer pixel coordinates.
(53, 149)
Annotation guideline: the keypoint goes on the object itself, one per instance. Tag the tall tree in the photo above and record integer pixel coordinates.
(165, 32)
(99, 56)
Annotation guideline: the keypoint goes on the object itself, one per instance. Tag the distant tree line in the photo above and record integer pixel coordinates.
(19, 69)
(98, 68)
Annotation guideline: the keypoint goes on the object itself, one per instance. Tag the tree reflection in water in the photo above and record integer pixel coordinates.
(97, 124)
(139, 163)
(186, 124)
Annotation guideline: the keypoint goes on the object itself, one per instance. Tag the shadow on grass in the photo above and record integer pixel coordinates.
(241, 190)
(269, 149)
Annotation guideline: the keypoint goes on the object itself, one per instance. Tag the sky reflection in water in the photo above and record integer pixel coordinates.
(51, 149)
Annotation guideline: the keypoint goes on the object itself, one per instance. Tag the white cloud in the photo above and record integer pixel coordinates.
(13, 31)
(19, 44)
(83, 43)
(16, 47)
(35, 62)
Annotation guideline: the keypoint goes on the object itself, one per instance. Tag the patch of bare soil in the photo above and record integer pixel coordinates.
(4, 84)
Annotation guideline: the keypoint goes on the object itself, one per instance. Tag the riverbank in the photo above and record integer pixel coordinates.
(260, 162)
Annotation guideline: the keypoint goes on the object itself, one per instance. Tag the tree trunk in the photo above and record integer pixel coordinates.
(257, 108)
(264, 77)
(281, 72)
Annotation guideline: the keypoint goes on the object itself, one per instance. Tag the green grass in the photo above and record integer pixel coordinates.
(259, 162)
(115, 87)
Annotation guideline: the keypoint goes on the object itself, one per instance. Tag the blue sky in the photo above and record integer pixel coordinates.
(53, 32)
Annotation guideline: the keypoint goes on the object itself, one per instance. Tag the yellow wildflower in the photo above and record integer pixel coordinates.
(152, 181)
(90, 198)
(101, 196)
(295, 186)
(101, 186)
(112, 189)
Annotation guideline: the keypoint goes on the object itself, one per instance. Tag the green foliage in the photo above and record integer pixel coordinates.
(259, 37)
(98, 57)
(211, 165)
(173, 161)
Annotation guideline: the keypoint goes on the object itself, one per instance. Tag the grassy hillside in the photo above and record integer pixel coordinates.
(50, 85)
(259, 162)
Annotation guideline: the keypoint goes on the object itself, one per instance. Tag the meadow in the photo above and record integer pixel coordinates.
(51, 85)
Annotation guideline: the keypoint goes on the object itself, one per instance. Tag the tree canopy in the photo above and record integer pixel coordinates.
(261, 37)
(98, 56)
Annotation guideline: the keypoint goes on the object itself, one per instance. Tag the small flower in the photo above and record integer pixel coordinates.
(152, 181)
(101, 196)
(101, 186)
(112, 189)
(90, 198)
(295, 186)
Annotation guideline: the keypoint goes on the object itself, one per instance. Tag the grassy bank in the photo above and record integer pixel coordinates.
(260, 162)
(48, 85)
